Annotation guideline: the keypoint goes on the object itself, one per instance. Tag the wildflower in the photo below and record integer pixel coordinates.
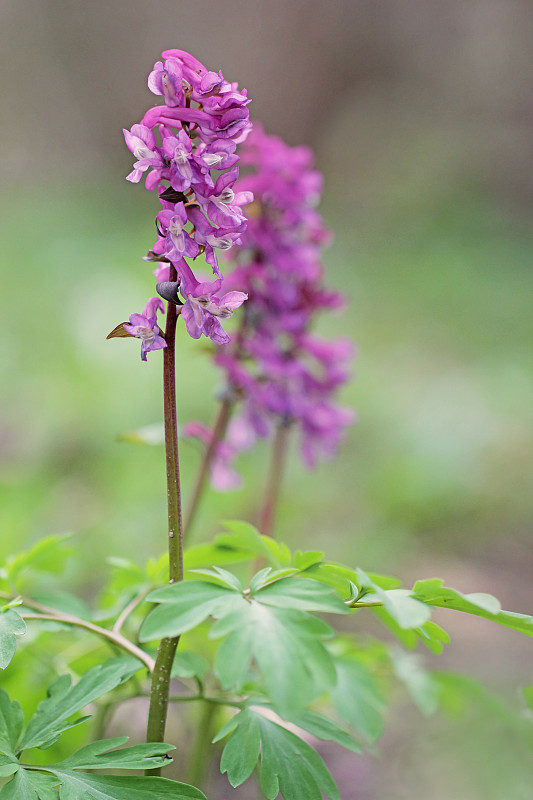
(144, 326)
(187, 148)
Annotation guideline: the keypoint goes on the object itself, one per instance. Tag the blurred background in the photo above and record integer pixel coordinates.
(421, 117)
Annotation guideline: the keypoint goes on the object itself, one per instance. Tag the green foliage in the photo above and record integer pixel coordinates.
(435, 593)
(66, 780)
(270, 624)
(64, 700)
(48, 555)
(288, 765)
(358, 698)
(11, 626)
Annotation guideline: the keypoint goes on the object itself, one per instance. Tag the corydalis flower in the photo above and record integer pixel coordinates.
(186, 149)
(277, 370)
(144, 326)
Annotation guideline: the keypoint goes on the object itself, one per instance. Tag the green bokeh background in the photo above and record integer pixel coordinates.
(435, 478)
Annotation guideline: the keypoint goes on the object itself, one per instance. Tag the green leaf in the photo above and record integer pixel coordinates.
(64, 700)
(434, 593)
(8, 765)
(243, 536)
(207, 555)
(406, 610)
(288, 764)
(423, 689)
(326, 729)
(336, 575)
(185, 605)
(104, 755)
(188, 665)
(11, 626)
(221, 577)
(11, 724)
(307, 558)
(358, 699)
(304, 594)
(29, 785)
(81, 786)
(287, 648)
(242, 750)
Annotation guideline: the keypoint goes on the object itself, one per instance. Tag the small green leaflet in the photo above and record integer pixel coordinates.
(434, 593)
(185, 605)
(358, 699)
(11, 724)
(326, 729)
(11, 626)
(288, 764)
(407, 611)
(81, 786)
(64, 700)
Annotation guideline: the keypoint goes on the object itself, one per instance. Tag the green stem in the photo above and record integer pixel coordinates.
(160, 686)
(51, 615)
(219, 431)
(275, 476)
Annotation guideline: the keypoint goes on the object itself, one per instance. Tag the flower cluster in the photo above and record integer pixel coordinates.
(277, 371)
(186, 149)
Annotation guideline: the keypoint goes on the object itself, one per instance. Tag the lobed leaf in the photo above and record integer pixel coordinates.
(104, 755)
(358, 699)
(287, 648)
(64, 700)
(288, 764)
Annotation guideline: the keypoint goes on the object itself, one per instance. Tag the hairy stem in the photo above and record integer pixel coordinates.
(219, 431)
(160, 686)
(275, 476)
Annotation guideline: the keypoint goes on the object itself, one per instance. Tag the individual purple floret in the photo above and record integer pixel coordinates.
(277, 371)
(186, 149)
(144, 326)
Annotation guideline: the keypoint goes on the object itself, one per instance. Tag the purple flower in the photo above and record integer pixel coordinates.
(281, 372)
(203, 309)
(166, 79)
(187, 148)
(144, 326)
(141, 141)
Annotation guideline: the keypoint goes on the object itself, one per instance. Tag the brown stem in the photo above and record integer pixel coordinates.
(160, 686)
(218, 434)
(275, 475)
